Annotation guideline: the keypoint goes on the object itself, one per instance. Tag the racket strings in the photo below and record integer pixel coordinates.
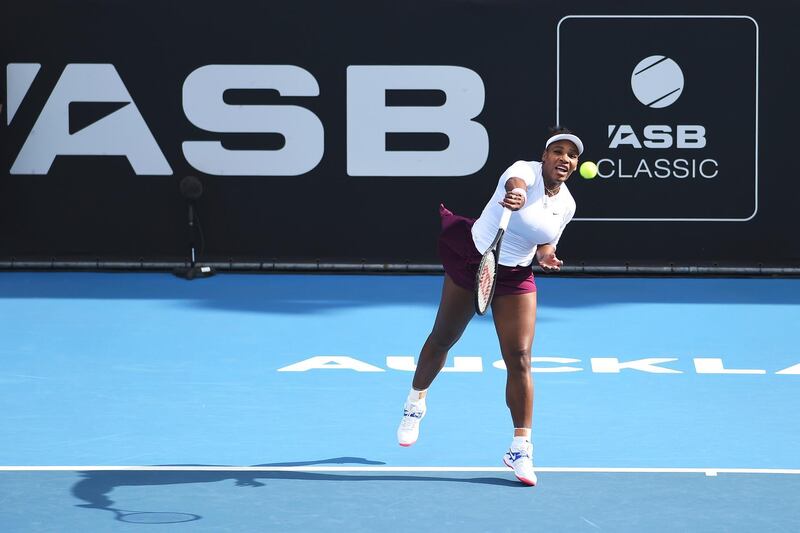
(486, 281)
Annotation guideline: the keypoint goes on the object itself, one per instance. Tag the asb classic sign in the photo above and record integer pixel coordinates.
(669, 113)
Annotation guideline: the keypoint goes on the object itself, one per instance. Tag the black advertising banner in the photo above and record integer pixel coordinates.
(330, 132)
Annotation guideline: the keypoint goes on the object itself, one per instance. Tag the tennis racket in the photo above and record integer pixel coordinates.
(486, 278)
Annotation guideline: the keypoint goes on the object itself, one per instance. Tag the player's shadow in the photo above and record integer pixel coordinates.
(95, 486)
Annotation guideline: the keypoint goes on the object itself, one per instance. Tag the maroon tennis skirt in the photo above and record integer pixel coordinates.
(460, 258)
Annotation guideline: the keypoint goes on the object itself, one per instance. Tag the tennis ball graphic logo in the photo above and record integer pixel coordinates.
(657, 81)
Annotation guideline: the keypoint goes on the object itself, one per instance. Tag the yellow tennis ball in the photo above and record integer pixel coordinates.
(588, 170)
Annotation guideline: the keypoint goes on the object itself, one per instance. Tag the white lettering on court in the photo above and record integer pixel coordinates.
(612, 365)
(331, 362)
(460, 363)
(546, 369)
(794, 369)
(714, 365)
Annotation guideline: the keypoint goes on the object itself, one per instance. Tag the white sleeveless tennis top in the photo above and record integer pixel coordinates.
(540, 221)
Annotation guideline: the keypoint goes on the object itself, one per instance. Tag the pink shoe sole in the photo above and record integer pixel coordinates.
(524, 480)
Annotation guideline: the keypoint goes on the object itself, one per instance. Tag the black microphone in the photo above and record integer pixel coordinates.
(191, 189)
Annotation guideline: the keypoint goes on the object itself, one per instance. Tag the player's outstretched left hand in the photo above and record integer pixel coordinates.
(549, 262)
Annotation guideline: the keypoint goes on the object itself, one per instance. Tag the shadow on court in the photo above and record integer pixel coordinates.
(317, 293)
(96, 485)
(303, 501)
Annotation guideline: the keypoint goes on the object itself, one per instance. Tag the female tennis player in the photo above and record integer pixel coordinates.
(537, 192)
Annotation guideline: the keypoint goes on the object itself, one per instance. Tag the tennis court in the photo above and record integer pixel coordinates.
(270, 403)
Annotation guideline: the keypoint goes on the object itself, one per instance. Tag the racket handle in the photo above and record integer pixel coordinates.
(505, 218)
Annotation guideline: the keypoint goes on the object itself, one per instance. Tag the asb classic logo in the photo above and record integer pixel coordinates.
(670, 122)
(657, 82)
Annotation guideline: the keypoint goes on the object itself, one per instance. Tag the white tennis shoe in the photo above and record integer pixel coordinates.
(521, 462)
(408, 432)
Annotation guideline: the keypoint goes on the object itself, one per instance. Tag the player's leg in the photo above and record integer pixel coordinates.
(456, 308)
(515, 321)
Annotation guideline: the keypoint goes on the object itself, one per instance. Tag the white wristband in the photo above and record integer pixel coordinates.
(522, 192)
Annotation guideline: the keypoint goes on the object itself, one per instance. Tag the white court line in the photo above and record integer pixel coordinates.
(313, 468)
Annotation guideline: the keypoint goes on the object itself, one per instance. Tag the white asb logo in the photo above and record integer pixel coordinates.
(125, 132)
(657, 81)
(122, 133)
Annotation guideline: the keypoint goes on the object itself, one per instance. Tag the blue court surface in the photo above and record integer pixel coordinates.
(270, 403)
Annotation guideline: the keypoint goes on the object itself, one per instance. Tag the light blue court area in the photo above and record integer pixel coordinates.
(222, 501)
(311, 371)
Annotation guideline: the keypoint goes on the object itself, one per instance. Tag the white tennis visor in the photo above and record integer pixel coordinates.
(565, 137)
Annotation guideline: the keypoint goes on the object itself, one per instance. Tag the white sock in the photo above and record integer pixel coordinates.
(520, 442)
(415, 395)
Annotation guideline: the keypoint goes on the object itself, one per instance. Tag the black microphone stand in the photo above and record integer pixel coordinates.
(191, 190)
